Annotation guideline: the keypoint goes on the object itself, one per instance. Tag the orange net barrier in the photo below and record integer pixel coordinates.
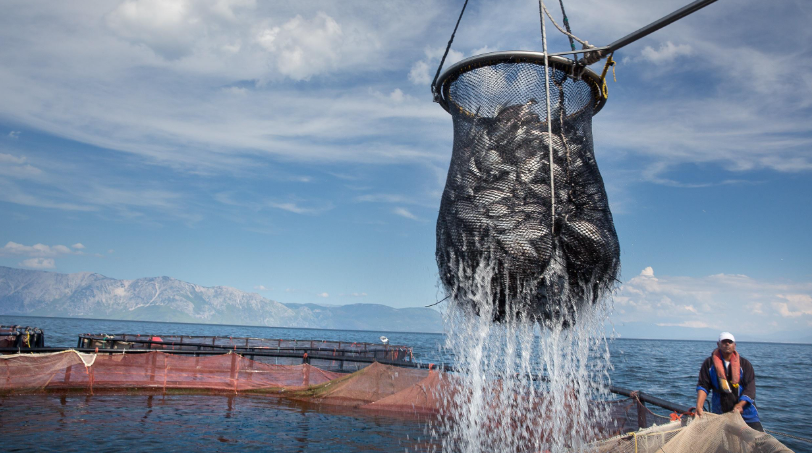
(153, 370)
(378, 387)
(29, 372)
(368, 385)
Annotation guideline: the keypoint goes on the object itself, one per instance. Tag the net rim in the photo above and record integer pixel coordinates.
(518, 56)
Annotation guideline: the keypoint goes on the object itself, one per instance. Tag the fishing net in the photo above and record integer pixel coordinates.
(377, 387)
(497, 206)
(709, 434)
(371, 384)
(71, 370)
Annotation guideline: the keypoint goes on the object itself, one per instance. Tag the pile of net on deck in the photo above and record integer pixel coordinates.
(709, 434)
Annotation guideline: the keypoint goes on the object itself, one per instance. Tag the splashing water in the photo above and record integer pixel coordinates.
(523, 384)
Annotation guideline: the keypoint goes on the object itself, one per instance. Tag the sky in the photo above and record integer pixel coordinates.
(291, 148)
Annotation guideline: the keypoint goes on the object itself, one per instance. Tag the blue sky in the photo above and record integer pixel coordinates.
(292, 148)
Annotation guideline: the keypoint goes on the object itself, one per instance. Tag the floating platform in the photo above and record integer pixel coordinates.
(342, 356)
(21, 337)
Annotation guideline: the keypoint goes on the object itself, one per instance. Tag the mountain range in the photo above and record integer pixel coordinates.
(90, 295)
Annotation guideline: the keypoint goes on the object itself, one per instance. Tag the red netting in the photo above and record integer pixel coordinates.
(424, 397)
(153, 370)
(377, 387)
(371, 384)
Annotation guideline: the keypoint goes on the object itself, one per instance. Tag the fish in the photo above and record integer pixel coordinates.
(500, 209)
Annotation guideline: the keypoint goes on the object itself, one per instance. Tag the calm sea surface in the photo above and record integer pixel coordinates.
(204, 423)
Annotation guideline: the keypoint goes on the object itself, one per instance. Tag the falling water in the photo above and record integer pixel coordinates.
(522, 384)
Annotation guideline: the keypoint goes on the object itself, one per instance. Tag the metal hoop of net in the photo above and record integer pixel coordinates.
(498, 202)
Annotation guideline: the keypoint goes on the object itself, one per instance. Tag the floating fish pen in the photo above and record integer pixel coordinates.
(20, 337)
(329, 355)
(378, 388)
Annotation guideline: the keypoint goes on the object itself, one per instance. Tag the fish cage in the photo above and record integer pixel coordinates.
(378, 388)
(21, 337)
(330, 355)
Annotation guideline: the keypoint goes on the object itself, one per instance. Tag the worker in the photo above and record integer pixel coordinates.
(732, 381)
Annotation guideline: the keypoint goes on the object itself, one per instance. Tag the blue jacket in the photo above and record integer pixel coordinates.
(722, 402)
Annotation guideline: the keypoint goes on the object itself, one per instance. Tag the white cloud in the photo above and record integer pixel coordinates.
(261, 288)
(168, 27)
(174, 29)
(9, 159)
(323, 295)
(14, 134)
(293, 207)
(36, 250)
(304, 47)
(725, 301)
(78, 246)
(397, 95)
(354, 295)
(797, 305)
(422, 72)
(419, 74)
(398, 199)
(233, 199)
(403, 212)
(691, 324)
(16, 167)
(667, 52)
(38, 263)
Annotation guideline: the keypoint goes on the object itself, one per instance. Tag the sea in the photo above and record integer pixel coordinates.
(216, 423)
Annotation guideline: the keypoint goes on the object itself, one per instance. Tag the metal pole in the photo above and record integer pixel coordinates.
(658, 24)
(654, 26)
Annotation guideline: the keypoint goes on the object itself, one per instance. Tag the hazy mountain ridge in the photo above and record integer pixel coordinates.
(89, 295)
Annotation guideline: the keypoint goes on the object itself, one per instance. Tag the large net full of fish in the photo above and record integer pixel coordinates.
(497, 202)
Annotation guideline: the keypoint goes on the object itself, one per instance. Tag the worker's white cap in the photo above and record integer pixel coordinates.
(726, 336)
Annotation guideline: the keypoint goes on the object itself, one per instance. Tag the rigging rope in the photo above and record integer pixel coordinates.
(549, 115)
(586, 44)
(566, 24)
(448, 47)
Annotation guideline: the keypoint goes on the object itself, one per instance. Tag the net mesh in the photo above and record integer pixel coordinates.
(709, 434)
(371, 384)
(497, 204)
(154, 370)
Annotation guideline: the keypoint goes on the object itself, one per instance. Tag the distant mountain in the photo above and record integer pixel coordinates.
(89, 295)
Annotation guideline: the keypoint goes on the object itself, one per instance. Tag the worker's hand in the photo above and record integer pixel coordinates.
(699, 412)
(739, 407)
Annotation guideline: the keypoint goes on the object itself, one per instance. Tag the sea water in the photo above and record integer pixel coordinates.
(523, 383)
(664, 368)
